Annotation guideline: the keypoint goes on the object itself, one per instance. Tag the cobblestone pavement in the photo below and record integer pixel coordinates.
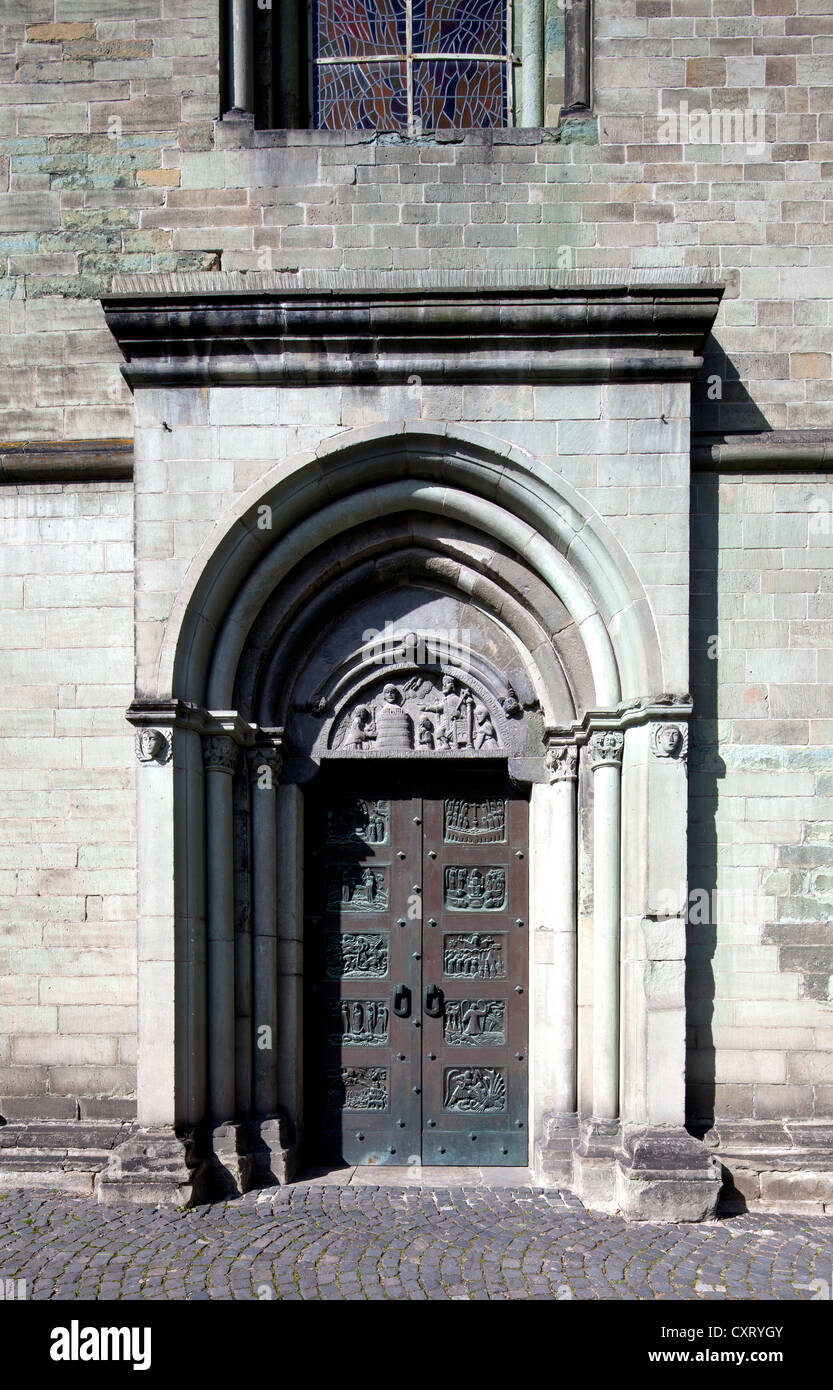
(345, 1242)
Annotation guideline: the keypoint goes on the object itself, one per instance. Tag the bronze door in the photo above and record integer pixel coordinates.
(475, 968)
(416, 968)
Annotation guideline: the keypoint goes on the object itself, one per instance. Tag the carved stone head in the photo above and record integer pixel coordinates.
(151, 746)
(669, 739)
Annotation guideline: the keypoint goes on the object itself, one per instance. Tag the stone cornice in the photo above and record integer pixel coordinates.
(520, 327)
(793, 451)
(65, 460)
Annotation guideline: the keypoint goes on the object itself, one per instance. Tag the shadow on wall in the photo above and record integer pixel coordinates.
(720, 403)
(706, 768)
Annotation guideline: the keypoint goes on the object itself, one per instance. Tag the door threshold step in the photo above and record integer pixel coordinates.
(414, 1175)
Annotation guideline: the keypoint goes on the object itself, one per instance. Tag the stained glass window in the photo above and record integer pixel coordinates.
(411, 65)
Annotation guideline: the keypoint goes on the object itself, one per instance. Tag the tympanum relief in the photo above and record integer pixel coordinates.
(425, 713)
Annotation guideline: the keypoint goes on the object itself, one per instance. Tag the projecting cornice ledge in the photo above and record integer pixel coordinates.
(230, 329)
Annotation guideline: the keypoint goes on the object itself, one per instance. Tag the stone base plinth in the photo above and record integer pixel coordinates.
(161, 1166)
(644, 1174)
(594, 1161)
(666, 1175)
(552, 1161)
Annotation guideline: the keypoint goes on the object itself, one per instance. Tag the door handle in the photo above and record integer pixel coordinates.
(401, 1001)
(433, 1001)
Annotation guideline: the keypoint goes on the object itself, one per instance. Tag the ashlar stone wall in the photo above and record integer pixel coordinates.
(761, 798)
(67, 853)
(109, 165)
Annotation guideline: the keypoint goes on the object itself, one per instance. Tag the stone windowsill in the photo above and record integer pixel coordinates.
(236, 130)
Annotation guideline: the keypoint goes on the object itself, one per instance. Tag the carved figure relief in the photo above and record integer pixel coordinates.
(358, 820)
(358, 1022)
(474, 1022)
(475, 1090)
(473, 956)
(474, 822)
(152, 746)
(357, 1088)
(445, 716)
(475, 889)
(353, 888)
(356, 956)
(669, 740)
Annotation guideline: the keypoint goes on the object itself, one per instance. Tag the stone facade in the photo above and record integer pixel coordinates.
(718, 492)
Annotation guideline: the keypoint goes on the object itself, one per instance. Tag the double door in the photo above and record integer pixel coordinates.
(416, 1010)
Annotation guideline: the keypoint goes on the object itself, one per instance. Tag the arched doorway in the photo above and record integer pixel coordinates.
(290, 646)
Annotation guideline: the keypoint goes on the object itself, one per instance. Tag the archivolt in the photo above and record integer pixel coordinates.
(516, 505)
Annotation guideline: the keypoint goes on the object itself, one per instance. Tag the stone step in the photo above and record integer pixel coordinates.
(65, 1156)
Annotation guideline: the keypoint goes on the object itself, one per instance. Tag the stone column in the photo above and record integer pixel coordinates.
(265, 765)
(240, 82)
(605, 761)
(220, 758)
(158, 1101)
(534, 60)
(562, 765)
(578, 41)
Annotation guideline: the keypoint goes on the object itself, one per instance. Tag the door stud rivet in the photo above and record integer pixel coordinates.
(519, 854)
(519, 1124)
(432, 921)
(400, 854)
(518, 989)
(432, 1056)
(391, 1151)
(417, 888)
(432, 854)
(400, 922)
(417, 820)
(400, 1056)
(472, 1136)
(401, 1124)
(417, 1090)
(417, 955)
(442, 1150)
(519, 921)
(417, 1023)
(431, 1123)
(360, 1136)
(519, 1056)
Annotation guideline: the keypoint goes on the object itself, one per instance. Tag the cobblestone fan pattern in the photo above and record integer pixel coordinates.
(333, 1242)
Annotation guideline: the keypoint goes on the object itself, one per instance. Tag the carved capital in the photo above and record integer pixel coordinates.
(152, 746)
(219, 753)
(669, 740)
(562, 762)
(265, 764)
(605, 749)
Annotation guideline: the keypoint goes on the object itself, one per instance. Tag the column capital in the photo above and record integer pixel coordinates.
(219, 753)
(604, 749)
(562, 762)
(267, 757)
